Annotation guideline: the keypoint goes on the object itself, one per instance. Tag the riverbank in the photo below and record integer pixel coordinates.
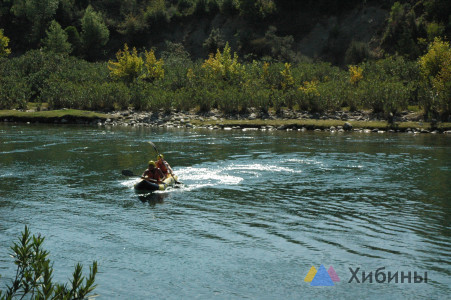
(360, 121)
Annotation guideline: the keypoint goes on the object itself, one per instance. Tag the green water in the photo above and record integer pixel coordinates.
(257, 211)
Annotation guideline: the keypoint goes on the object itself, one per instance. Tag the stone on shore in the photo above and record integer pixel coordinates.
(347, 126)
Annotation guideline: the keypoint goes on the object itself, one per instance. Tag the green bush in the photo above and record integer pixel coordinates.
(14, 88)
(36, 67)
(257, 96)
(105, 96)
(387, 97)
(34, 274)
(148, 96)
(14, 92)
(332, 95)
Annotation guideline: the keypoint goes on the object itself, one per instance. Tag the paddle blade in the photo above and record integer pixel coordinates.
(154, 147)
(128, 173)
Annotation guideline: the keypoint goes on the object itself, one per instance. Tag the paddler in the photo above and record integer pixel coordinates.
(163, 165)
(153, 173)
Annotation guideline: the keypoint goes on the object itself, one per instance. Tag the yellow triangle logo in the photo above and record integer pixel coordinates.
(310, 274)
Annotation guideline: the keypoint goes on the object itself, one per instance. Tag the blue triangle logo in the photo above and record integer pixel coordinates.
(322, 278)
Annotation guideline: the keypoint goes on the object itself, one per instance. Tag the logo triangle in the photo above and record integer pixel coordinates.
(322, 278)
(333, 275)
(310, 274)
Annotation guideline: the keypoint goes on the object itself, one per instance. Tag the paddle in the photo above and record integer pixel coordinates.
(131, 174)
(158, 152)
(155, 147)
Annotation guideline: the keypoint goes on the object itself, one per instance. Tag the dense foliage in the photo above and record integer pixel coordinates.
(33, 277)
(75, 67)
(140, 80)
(97, 28)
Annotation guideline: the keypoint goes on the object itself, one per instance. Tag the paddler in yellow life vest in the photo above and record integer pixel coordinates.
(163, 165)
(153, 173)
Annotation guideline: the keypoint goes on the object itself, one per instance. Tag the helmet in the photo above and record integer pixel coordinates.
(151, 162)
(160, 156)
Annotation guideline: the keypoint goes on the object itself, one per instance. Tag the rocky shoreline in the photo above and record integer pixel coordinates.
(253, 120)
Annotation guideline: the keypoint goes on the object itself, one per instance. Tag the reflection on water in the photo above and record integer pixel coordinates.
(152, 198)
(256, 212)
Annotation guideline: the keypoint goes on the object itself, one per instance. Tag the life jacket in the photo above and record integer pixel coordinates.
(161, 164)
(153, 174)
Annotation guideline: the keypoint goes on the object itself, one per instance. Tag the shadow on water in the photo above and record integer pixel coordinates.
(152, 198)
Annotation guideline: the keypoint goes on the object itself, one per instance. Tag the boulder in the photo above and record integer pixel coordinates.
(347, 126)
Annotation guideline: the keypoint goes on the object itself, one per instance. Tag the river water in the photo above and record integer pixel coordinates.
(257, 210)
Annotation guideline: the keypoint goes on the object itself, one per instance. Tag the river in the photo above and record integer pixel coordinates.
(257, 210)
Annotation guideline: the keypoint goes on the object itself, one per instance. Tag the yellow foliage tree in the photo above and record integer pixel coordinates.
(310, 88)
(436, 59)
(435, 67)
(288, 79)
(128, 66)
(265, 70)
(154, 67)
(4, 41)
(356, 74)
(223, 65)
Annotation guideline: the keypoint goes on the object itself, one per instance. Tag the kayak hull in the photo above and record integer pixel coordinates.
(145, 185)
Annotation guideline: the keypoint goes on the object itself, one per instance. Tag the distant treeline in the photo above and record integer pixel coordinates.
(95, 29)
(174, 81)
(61, 52)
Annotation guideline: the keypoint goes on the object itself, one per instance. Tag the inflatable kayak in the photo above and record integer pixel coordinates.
(145, 185)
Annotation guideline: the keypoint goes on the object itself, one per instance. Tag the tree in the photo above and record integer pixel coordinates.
(128, 66)
(4, 41)
(38, 12)
(214, 41)
(223, 65)
(154, 67)
(435, 67)
(94, 34)
(73, 37)
(34, 274)
(56, 40)
(257, 10)
(401, 33)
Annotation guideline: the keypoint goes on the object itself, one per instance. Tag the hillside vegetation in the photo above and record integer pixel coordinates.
(227, 54)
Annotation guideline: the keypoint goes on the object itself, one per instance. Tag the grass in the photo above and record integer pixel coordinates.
(320, 124)
(37, 106)
(51, 114)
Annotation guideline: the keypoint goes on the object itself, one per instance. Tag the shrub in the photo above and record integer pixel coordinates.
(387, 97)
(355, 73)
(128, 66)
(105, 96)
(224, 66)
(256, 95)
(35, 271)
(153, 67)
(332, 95)
(435, 68)
(309, 96)
(36, 66)
(14, 92)
(287, 77)
(4, 41)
